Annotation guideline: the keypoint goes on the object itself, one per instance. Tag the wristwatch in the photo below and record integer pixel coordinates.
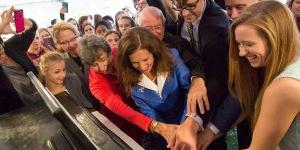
(153, 125)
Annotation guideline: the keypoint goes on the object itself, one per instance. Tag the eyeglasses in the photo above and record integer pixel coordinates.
(154, 28)
(69, 42)
(178, 6)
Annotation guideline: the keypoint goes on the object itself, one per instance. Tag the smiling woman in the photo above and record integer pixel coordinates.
(263, 63)
(252, 46)
(53, 73)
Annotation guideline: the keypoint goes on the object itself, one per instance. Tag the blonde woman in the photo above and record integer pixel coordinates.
(53, 73)
(264, 74)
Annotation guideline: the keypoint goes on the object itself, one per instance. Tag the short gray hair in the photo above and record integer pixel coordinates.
(154, 11)
(90, 46)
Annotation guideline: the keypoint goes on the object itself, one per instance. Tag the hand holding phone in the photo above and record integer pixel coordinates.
(49, 43)
(19, 20)
(65, 6)
(6, 18)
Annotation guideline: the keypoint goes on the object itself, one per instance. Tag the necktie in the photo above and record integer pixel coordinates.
(192, 39)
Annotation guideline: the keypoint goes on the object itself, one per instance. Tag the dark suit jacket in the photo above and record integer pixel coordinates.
(9, 98)
(185, 50)
(212, 54)
(73, 85)
(72, 67)
(16, 47)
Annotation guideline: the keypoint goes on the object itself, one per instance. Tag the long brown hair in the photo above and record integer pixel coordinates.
(275, 23)
(140, 38)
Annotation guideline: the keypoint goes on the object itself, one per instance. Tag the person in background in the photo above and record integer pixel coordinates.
(88, 29)
(170, 15)
(113, 38)
(83, 20)
(125, 23)
(263, 63)
(118, 15)
(74, 23)
(140, 5)
(294, 6)
(34, 51)
(53, 22)
(104, 85)
(109, 21)
(101, 28)
(97, 18)
(235, 7)
(46, 40)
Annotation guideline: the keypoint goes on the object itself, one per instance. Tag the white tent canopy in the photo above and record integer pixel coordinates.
(43, 11)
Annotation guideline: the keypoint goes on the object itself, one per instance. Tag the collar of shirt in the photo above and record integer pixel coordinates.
(147, 83)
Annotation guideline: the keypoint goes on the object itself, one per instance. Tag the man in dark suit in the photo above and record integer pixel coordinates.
(204, 24)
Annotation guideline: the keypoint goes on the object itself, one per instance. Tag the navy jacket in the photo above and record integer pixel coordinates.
(16, 48)
(212, 54)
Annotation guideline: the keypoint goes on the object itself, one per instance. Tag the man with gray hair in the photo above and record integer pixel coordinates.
(153, 19)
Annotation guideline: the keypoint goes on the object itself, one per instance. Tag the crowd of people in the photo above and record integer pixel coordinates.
(178, 74)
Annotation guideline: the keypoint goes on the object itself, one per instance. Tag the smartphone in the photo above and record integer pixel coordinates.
(19, 20)
(48, 42)
(65, 5)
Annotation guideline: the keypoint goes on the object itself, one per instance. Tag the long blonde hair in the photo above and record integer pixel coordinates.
(275, 23)
(46, 60)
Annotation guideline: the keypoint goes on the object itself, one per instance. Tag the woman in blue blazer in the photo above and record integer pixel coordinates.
(154, 76)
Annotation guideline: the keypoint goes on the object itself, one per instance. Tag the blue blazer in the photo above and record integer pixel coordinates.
(170, 107)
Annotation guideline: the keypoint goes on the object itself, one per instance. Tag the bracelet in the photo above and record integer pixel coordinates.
(213, 128)
(193, 77)
(195, 117)
(153, 125)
